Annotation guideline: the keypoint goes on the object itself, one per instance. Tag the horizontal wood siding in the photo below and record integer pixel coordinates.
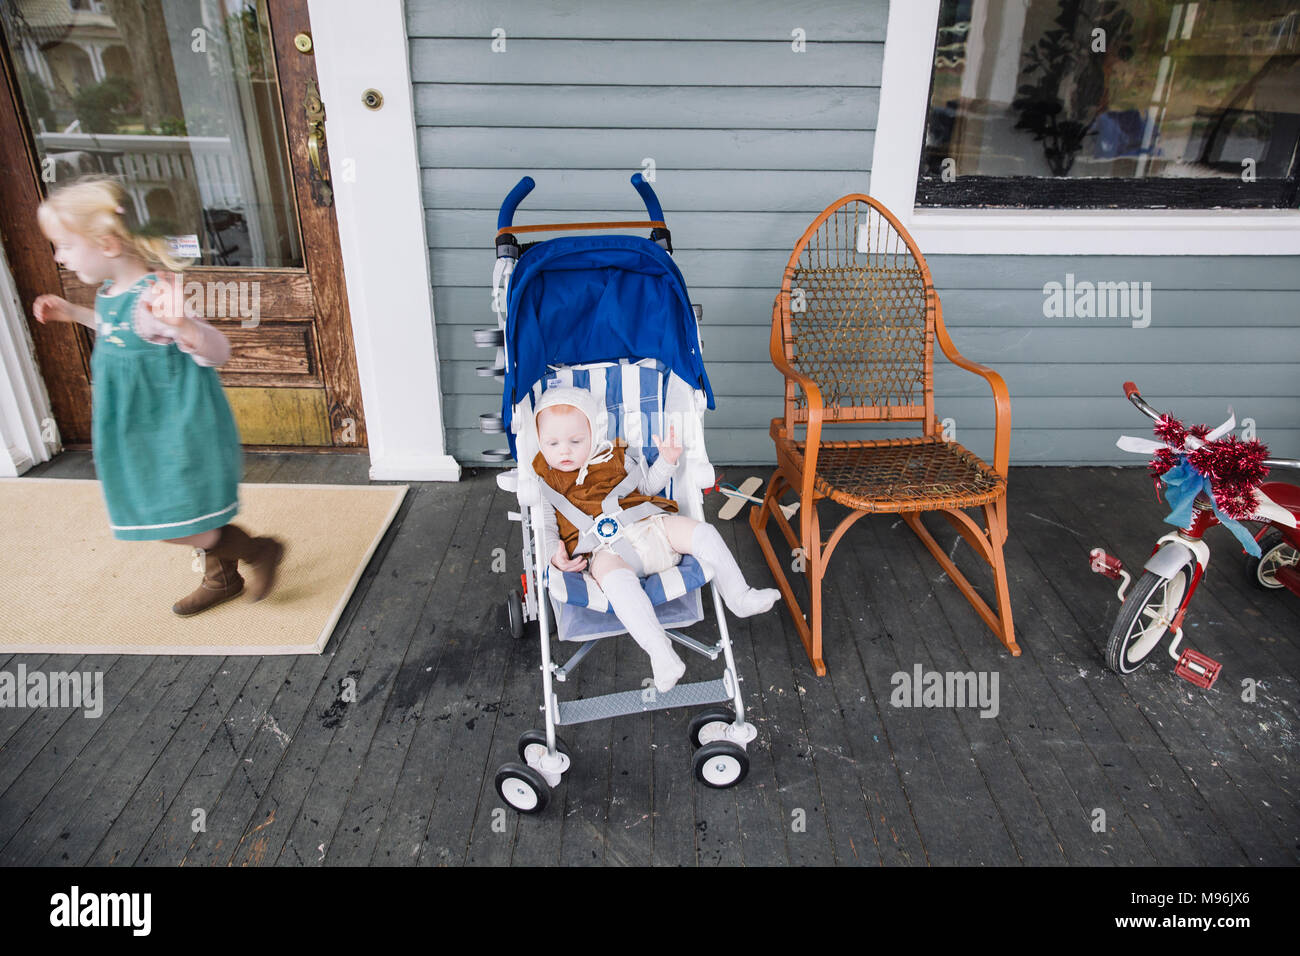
(750, 141)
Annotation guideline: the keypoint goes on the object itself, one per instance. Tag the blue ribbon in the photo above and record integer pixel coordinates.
(1182, 484)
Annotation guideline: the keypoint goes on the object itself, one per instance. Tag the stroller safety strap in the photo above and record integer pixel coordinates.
(608, 527)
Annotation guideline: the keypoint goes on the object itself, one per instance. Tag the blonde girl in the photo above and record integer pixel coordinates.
(165, 444)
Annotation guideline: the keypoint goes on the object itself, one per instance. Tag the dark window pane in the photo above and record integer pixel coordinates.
(1187, 103)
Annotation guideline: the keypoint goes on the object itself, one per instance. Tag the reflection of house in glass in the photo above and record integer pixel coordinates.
(176, 98)
(1079, 89)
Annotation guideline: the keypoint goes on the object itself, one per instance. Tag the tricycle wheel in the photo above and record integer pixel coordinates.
(1144, 619)
(1276, 553)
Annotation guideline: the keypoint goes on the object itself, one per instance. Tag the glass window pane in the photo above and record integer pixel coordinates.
(179, 99)
(1115, 88)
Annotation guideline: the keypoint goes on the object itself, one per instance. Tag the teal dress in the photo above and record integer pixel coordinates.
(166, 447)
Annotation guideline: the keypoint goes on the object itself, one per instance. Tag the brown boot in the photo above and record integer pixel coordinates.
(221, 582)
(263, 556)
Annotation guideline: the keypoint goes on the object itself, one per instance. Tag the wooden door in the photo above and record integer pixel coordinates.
(205, 110)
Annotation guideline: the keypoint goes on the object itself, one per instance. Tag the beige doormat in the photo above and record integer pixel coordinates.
(67, 586)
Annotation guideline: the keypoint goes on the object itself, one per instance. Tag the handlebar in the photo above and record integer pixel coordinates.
(506, 217)
(1132, 394)
(1191, 441)
(648, 196)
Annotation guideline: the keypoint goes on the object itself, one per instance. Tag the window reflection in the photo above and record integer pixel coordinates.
(178, 98)
(1115, 88)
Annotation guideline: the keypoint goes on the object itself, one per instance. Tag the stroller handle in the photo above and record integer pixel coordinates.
(506, 217)
(652, 206)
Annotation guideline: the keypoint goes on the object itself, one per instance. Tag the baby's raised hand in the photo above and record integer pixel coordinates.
(561, 560)
(669, 450)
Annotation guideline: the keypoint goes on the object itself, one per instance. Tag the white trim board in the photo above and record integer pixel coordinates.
(375, 172)
(24, 406)
(896, 160)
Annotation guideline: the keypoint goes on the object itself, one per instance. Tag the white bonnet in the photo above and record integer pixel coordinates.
(602, 449)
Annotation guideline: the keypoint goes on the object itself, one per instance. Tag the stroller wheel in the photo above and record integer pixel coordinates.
(532, 743)
(709, 726)
(515, 614)
(523, 788)
(721, 764)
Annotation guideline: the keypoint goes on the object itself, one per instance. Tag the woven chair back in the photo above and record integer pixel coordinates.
(859, 323)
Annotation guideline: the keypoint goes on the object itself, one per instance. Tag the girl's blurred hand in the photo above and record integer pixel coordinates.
(561, 560)
(162, 303)
(53, 308)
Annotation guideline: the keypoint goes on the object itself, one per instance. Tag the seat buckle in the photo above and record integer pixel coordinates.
(607, 528)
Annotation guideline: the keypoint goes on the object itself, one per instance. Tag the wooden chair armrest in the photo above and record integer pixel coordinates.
(1001, 397)
(813, 443)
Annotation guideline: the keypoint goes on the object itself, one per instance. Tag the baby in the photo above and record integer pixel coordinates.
(566, 420)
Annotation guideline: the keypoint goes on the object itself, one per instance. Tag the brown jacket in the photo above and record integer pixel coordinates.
(588, 496)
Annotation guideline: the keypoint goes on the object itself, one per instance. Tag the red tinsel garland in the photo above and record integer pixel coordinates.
(1234, 467)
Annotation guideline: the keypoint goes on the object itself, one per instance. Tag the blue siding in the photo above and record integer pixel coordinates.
(750, 141)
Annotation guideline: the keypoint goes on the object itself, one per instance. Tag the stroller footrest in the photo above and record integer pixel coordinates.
(639, 701)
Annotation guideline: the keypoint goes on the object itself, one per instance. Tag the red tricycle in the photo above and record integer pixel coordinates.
(1210, 480)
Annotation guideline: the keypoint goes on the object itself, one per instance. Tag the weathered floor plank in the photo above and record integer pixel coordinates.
(1228, 729)
(1166, 724)
(282, 768)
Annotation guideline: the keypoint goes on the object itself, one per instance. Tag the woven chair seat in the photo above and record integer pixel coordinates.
(909, 474)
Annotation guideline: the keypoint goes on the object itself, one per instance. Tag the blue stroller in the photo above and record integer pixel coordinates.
(608, 314)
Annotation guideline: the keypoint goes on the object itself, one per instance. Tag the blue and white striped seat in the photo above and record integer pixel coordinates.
(581, 590)
(636, 396)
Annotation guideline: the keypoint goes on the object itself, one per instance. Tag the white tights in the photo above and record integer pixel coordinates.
(637, 614)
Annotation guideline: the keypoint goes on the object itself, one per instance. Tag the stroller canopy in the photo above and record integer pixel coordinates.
(579, 299)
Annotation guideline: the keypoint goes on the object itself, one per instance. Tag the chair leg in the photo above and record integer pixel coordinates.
(809, 636)
(996, 516)
(1000, 623)
(816, 571)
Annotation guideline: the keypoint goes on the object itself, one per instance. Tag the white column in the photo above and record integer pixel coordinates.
(96, 54)
(375, 172)
(43, 68)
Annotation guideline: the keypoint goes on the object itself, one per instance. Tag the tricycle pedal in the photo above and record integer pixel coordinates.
(1112, 567)
(1197, 668)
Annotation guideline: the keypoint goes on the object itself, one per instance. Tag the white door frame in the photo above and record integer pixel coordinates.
(28, 435)
(375, 171)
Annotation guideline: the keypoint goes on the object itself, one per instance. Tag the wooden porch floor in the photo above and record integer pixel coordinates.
(286, 772)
